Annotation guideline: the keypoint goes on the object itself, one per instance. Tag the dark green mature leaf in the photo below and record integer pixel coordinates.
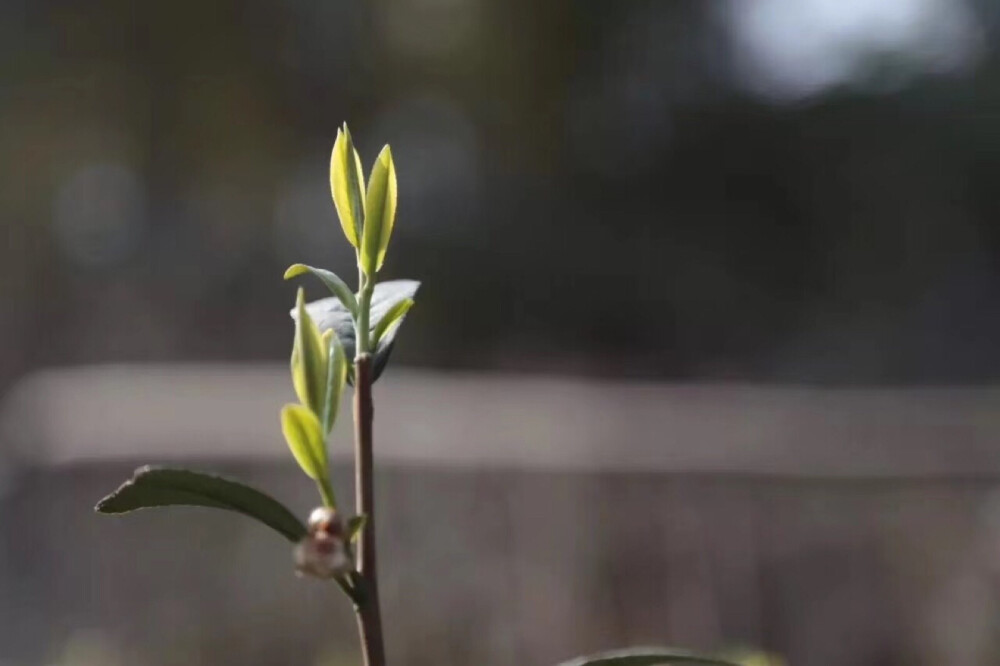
(645, 657)
(165, 486)
(330, 313)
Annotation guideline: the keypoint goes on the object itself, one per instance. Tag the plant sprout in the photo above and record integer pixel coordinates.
(342, 339)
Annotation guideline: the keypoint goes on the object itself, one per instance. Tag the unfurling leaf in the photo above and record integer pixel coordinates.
(309, 359)
(163, 486)
(380, 213)
(393, 317)
(645, 657)
(347, 186)
(330, 313)
(354, 526)
(304, 434)
(336, 377)
(337, 286)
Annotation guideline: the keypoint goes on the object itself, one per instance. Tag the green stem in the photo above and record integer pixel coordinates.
(326, 492)
(362, 329)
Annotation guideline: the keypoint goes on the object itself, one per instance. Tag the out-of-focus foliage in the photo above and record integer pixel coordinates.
(754, 658)
(646, 657)
(686, 189)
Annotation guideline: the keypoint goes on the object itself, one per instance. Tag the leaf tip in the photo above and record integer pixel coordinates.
(295, 270)
(102, 505)
(108, 504)
(385, 156)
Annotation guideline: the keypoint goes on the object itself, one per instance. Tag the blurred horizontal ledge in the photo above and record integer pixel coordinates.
(173, 413)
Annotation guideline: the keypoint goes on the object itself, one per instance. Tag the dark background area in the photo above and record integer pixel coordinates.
(706, 350)
(755, 190)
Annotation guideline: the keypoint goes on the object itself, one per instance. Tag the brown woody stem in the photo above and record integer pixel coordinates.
(367, 609)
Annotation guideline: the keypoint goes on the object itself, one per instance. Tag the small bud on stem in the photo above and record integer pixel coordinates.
(323, 553)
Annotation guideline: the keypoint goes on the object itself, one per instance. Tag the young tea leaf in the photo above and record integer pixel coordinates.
(163, 486)
(347, 186)
(309, 359)
(335, 379)
(645, 657)
(304, 434)
(337, 286)
(391, 318)
(380, 215)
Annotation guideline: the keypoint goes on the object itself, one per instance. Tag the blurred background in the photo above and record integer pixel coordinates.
(706, 351)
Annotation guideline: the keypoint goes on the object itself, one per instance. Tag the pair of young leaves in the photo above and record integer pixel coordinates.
(367, 214)
(319, 372)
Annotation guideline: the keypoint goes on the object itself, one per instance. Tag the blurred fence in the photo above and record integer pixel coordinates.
(523, 520)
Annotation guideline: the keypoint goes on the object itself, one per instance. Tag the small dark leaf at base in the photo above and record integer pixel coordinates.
(645, 657)
(163, 486)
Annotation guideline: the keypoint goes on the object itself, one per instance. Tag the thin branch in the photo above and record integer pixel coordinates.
(369, 615)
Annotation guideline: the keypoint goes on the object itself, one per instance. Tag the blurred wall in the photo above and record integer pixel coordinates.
(522, 520)
(842, 572)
